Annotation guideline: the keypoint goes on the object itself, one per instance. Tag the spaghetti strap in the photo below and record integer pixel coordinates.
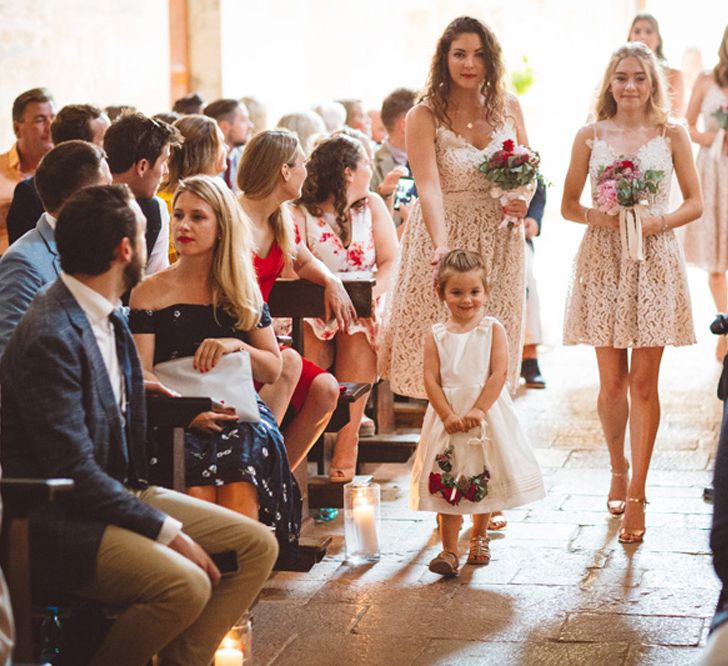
(664, 130)
(594, 128)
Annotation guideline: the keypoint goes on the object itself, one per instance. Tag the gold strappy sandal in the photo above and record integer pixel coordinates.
(446, 564)
(616, 506)
(479, 550)
(633, 536)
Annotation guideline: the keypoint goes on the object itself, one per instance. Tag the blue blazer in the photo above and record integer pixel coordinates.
(28, 265)
(60, 419)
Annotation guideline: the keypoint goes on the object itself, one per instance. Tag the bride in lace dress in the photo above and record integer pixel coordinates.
(463, 117)
(614, 302)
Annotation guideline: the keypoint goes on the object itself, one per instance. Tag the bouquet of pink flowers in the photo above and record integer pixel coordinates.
(720, 143)
(622, 187)
(514, 173)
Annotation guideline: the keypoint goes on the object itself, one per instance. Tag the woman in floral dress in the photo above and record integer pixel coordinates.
(348, 228)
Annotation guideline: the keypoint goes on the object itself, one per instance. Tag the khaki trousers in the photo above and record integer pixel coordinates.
(170, 606)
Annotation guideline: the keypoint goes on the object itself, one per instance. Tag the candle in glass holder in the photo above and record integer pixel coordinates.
(228, 653)
(366, 527)
(361, 522)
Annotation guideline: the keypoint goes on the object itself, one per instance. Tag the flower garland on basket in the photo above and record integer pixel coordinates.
(623, 188)
(721, 138)
(454, 486)
(514, 174)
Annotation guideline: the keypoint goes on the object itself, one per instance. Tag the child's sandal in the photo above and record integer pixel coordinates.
(445, 564)
(479, 550)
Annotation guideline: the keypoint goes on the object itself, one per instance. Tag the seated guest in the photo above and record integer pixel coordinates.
(73, 406)
(33, 113)
(307, 126)
(348, 228)
(333, 114)
(206, 305)
(258, 113)
(169, 117)
(74, 121)
(271, 174)
(392, 152)
(32, 262)
(234, 120)
(189, 104)
(356, 117)
(137, 149)
(116, 111)
(203, 152)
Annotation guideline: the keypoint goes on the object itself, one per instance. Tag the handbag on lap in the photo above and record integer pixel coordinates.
(230, 382)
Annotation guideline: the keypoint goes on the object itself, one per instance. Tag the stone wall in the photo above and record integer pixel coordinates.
(97, 51)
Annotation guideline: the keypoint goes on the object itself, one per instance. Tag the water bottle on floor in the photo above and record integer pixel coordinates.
(50, 637)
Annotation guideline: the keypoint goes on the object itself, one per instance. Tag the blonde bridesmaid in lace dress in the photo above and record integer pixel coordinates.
(617, 304)
(706, 241)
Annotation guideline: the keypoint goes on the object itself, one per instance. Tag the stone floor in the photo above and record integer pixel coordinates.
(560, 589)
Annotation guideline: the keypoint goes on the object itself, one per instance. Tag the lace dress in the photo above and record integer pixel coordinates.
(616, 302)
(249, 452)
(359, 255)
(706, 239)
(501, 447)
(472, 217)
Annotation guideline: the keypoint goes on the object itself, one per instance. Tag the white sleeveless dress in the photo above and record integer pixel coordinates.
(706, 239)
(472, 218)
(616, 302)
(501, 446)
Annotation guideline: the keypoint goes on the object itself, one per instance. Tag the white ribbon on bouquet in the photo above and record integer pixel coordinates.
(716, 148)
(630, 231)
(522, 193)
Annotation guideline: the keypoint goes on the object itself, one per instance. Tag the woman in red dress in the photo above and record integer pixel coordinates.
(271, 173)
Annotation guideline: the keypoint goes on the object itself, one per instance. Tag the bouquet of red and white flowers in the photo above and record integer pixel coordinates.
(720, 143)
(622, 187)
(514, 173)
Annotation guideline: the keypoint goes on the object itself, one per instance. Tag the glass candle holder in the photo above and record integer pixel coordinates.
(361, 522)
(236, 649)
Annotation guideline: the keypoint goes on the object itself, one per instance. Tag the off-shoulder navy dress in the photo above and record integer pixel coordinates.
(250, 452)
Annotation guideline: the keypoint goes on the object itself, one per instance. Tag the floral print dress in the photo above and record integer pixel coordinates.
(358, 256)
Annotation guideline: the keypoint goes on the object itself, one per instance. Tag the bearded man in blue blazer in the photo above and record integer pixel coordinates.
(73, 406)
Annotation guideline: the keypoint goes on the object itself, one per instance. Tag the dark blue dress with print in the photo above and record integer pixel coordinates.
(250, 452)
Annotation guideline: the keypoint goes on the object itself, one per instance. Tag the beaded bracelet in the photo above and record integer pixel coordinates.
(664, 224)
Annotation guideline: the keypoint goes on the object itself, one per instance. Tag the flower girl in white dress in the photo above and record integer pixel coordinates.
(473, 456)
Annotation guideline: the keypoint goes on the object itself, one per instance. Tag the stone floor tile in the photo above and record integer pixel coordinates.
(658, 630)
(317, 649)
(551, 457)
(657, 655)
(469, 653)
(557, 567)
(662, 538)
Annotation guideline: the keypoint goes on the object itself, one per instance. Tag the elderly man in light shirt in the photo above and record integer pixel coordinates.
(33, 113)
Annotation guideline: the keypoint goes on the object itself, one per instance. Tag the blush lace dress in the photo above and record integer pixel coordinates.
(472, 218)
(706, 239)
(616, 302)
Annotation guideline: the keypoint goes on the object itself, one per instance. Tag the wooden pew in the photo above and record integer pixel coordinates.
(20, 498)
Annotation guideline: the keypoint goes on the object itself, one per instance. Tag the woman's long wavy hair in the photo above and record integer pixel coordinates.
(439, 83)
(720, 71)
(260, 172)
(198, 154)
(658, 107)
(234, 283)
(326, 179)
(644, 16)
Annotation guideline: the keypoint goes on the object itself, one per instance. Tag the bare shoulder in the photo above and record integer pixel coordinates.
(151, 293)
(376, 203)
(421, 116)
(676, 132)
(513, 106)
(704, 80)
